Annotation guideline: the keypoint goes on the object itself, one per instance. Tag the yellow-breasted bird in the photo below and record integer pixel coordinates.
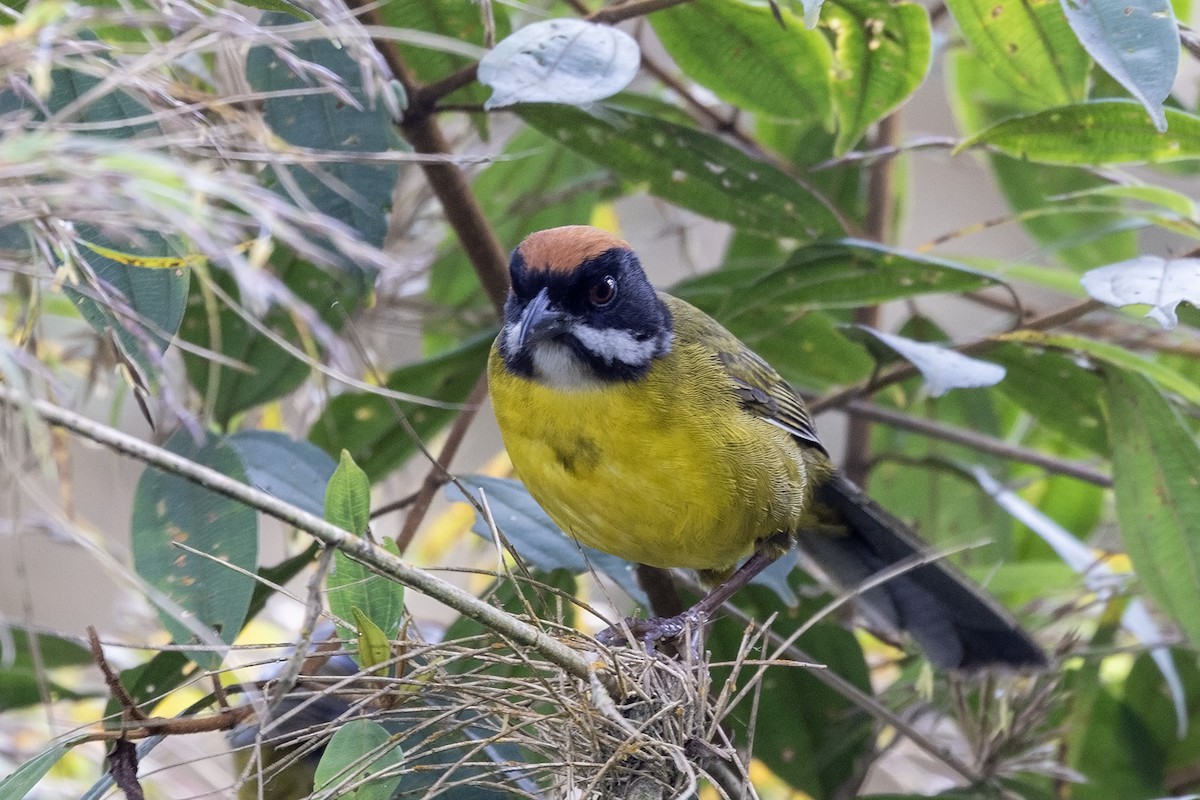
(647, 430)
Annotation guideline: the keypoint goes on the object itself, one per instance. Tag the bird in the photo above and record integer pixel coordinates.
(647, 430)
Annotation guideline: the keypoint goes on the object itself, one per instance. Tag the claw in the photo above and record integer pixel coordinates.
(649, 632)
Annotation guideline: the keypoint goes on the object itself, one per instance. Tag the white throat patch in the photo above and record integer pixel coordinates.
(612, 344)
(555, 365)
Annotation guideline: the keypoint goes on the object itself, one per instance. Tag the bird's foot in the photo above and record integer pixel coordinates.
(650, 632)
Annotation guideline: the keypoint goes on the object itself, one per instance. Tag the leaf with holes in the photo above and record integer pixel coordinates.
(748, 58)
(881, 53)
(1099, 133)
(211, 581)
(694, 170)
(559, 61)
(1028, 45)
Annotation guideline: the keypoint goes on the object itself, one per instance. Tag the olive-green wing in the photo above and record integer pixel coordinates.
(762, 391)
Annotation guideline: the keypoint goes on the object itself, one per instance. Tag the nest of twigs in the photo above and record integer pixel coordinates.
(482, 713)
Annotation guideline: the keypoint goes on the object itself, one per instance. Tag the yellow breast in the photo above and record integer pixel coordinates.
(667, 470)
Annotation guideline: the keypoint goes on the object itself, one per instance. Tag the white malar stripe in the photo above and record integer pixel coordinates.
(614, 344)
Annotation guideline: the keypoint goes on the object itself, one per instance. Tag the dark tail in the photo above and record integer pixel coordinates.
(954, 621)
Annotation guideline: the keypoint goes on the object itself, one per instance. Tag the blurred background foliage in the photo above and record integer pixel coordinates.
(271, 237)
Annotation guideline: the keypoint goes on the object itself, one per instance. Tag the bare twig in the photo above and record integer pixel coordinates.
(435, 478)
(355, 547)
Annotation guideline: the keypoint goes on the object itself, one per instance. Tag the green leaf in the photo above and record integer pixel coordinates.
(748, 58)
(348, 497)
(843, 274)
(1115, 355)
(458, 20)
(1156, 476)
(139, 309)
(1099, 133)
(296, 472)
(27, 776)
(1072, 409)
(538, 540)
(809, 349)
(807, 733)
(1028, 45)
(356, 194)
(374, 647)
(269, 371)
(360, 749)
(21, 681)
(1135, 41)
(694, 170)
(169, 510)
(881, 53)
(367, 426)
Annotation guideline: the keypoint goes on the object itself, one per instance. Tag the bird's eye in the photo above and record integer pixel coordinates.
(603, 291)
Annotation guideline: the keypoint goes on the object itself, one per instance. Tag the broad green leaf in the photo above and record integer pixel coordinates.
(70, 86)
(1028, 45)
(367, 425)
(348, 497)
(168, 670)
(360, 749)
(1072, 409)
(808, 348)
(264, 371)
(537, 539)
(881, 53)
(20, 680)
(296, 472)
(352, 587)
(1115, 355)
(25, 779)
(358, 194)
(943, 369)
(1161, 283)
(808, 734)
(169, 512)
(1135, 41)
(140, 309)
(1097, 575)
(843, 274)
(1156, 475)
(1101, 133)
(743, 54)
(1081, 240)
(559, 61)
(374, 647)
(694, 170)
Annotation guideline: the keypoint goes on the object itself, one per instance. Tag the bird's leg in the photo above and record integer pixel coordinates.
(649, 631)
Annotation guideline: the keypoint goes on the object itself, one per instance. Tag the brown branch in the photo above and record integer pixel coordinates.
(129, 709)
(436, 477)
(611, 15)
(905, 371)
(977, 441)
(881, 207)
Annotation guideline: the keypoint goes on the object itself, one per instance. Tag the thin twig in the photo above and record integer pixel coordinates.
(436, 477)
(978, 441)
(905, 371)
(357, 548)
